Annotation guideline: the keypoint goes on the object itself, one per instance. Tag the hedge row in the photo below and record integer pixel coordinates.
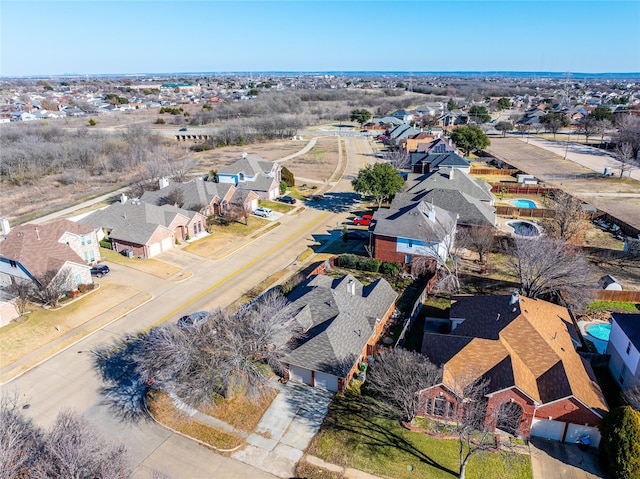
(363, 264)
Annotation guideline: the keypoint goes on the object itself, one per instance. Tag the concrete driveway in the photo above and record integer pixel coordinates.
(552, 459)
(286, 429)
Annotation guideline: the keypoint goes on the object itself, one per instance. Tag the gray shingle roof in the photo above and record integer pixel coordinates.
(470, 210)
(339, 324)
(439, 160)
(196, 193)
(133, 222)
(252, 165)
(411, 220)
(442, 179)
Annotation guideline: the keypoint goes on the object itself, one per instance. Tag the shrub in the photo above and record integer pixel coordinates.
(283, 187)
(106, 244)
(372, 265)
(160, 121)
(288, 177)
(82, 288)
(620, 443)
(389, 268)
(347, 261)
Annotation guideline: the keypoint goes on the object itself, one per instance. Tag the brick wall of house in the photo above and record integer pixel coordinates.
(385, 249)
(427, 397)
(514, 395)
(568, 410)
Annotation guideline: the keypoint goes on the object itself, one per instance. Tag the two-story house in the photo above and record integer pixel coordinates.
(624, 348)
(253, 173)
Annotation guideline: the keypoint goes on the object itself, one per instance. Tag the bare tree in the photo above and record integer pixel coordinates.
(397, 377)
(398, 158)
(178, 170)
(49, 286)
(624, 152)
(75, 449)
(19, 439)
(588, 126)
(475, 422)
(632, 396)
(21, 289)
(479, 237)
(568, 219)
(629, 132)
(546, 266)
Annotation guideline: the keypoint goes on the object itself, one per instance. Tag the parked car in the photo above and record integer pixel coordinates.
(287, 199)
(129, 253)
(364, 220)
(262, 211)
(99, 270)
(193, 319)
(183, 129)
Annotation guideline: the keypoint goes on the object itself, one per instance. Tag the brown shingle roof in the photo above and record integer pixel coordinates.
(527, 344)
(37, 247)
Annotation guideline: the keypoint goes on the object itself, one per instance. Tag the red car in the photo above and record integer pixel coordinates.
(364, 220)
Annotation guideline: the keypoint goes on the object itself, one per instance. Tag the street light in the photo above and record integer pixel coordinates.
(566, 150)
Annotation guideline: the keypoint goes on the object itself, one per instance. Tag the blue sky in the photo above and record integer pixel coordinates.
(102, 37)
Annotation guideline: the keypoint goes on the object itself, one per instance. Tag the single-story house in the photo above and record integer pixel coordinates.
(342, 320)
(30, 252)
(146, 229)
(525, 348)
(624, 348)
(253, 173)
(205, 197)
(406, 230)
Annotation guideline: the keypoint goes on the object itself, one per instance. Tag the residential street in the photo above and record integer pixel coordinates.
(68, 380)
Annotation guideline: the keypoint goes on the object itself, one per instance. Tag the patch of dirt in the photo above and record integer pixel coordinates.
(319, 163)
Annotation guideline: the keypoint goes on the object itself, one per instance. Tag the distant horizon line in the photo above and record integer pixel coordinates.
(512, 73)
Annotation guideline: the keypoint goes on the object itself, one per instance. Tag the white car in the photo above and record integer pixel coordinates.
(262, 211)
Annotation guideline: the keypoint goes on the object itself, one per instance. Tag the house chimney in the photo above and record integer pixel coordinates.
(123, 198)
(515, 298)
(432, 213)
(451, 174)
(4, 222)
(164, 182)
(351, 287)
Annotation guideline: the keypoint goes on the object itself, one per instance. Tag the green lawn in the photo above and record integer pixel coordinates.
(358, 433)
(614, 306)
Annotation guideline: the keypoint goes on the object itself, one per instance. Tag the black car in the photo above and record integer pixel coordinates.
(287, 199)
(357, 235)
(99, 270)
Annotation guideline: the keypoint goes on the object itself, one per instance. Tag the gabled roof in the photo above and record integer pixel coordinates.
(419, 184)
(439, 160)
(338, 323)
(434, 146)
(134, 222)
(250, 165)
(528, 344)
(38, 247)
(630, 325)
(412, 221)
(196, 193)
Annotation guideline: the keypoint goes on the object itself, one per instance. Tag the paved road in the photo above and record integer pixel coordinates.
(68, 380)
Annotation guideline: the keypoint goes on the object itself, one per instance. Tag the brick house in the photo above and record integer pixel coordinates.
(205, 197)
(342, 320)
(146, 229)
(525, 348)
(31, 251)
(404, 231)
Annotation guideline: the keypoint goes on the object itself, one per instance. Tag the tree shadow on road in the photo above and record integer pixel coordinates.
(123, 390)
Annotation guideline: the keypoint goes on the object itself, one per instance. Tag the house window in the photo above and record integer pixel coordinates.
(450, 409)
(427, 407)
(628, 347)
(78, 280)
(410, 243)
(439, 406)
(86, 257)
(89, 239)
(407, 259)
(93, 256)
(81, 241)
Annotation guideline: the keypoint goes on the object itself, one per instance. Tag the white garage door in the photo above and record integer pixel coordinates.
(167, 244)
(154, 249)
(326, 381)
(300, 374)
(547, 429)
(575, 432)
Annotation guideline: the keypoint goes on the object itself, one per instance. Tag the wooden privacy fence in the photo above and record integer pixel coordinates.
(612, 295)
(512, 189)
(495, 171)
(524, 212)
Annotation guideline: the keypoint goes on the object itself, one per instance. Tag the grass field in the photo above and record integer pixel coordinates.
(150, 266)
(357, 434)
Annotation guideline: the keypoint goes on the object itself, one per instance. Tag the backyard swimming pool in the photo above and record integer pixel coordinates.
(524, 228)
(600, 331)
(523, 204)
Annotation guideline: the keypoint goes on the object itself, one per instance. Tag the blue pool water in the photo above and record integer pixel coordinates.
(600, 331)
(524, 228)
(523, 204)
